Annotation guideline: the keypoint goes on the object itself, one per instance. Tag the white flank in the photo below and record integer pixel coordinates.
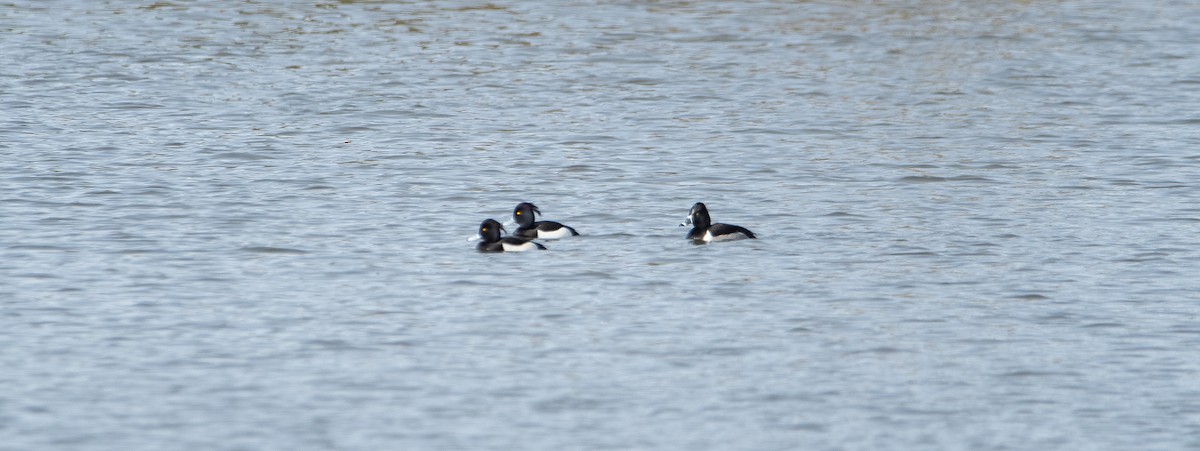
(518, 247)
(560, 233)
(708, 236)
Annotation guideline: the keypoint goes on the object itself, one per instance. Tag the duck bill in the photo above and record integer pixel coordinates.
(686, 222)
(475, 237)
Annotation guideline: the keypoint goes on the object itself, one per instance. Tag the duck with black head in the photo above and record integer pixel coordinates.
(704, 231)
(529, 227)
(491, 232)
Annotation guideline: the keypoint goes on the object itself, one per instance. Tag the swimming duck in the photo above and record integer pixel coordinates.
(490, 231)
(704, 231)
(530, 228)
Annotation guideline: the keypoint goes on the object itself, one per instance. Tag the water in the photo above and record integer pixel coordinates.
(240, 225)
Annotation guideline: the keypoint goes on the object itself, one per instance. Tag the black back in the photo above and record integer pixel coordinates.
(531, 231)
(726, 229)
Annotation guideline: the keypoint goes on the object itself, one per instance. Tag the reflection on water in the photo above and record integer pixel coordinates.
(240, 224)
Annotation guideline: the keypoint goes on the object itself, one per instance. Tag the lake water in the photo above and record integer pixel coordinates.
(241, 225)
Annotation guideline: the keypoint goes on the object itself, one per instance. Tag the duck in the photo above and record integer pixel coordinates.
(704, 231)
(490, 231)
(528, 227)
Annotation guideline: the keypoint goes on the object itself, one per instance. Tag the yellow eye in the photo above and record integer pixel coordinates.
(484, 229)
(518, 213)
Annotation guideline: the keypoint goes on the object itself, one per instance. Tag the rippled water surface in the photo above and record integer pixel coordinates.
(241, 225)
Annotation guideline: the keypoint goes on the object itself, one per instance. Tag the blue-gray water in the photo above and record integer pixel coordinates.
(241, 225)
